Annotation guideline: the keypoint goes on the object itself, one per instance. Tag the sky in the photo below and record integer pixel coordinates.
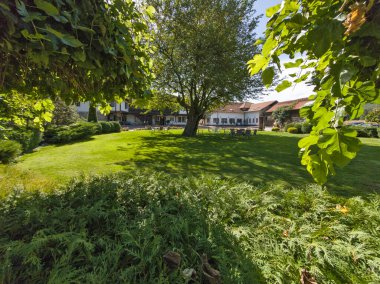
(301, 90)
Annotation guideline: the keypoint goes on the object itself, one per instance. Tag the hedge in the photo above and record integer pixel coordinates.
(69, 133)
(9, 151)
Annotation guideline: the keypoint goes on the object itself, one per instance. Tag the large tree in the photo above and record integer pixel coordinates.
(88, 50)
(203, 46)
(340, 41)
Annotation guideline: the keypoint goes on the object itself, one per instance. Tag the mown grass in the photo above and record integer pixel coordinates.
(268, 158)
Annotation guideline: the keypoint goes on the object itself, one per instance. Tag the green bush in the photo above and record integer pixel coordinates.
(9, 151)
(28, 138)
(106, 127)
(365, 131)
(296, 125)
(292, 130)
(373, 116)
(117, 229)
(69, 133)
(116, 127)
(306, 127)
(275, 129)
(110, 126)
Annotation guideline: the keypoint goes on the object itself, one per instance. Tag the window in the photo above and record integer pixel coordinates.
(77, 104)
(249, 120)
(257, 120)
(224, 120)
(232, 120)
(126, 105)
(208, 120)
(239, 121)
(215, 120)
(112, 104)
(181, 119)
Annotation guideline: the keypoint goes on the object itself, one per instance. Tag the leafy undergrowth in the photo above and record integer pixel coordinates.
(117, 229)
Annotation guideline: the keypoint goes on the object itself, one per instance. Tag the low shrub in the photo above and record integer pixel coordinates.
(116, 126)
(110, 126)
(106, 127)
(306, 127)
(275, 129)
(28, 138)
(292, 130)
(296, 125)
(365, 131)
(9, 151)
(69, 133)
(121, 228)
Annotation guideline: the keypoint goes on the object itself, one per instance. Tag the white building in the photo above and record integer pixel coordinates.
(128, 115)
(239, 114)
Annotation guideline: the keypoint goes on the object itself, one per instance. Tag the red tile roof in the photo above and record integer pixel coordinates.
(230, 108)
(298, 104)
(261, 106)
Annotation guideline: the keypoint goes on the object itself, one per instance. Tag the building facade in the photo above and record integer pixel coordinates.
(128, 115)
(239, 114)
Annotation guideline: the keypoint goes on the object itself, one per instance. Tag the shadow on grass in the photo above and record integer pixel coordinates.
(116, 229)
(261, 159)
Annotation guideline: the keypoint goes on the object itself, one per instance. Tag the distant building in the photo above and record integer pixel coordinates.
(239, 114)
(294, 112)
(128, 115)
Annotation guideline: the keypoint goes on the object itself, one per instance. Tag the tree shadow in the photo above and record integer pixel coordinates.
(261, 159)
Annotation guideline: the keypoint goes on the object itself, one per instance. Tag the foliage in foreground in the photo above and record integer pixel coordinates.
(117, 229)
(340, 43)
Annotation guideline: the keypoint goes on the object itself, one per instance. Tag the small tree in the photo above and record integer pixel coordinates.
(92, 116)
(282, 114)
(64, 114)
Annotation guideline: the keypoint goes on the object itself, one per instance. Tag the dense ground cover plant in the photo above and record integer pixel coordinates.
(29, 138)
(73, 132)
(110, 126)
(9, 150)
(118, 228)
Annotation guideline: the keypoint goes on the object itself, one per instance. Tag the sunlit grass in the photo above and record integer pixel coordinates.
(263, 159)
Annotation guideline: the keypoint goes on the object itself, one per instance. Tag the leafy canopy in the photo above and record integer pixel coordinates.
(79, 50)
(340, 41)
(202, 50)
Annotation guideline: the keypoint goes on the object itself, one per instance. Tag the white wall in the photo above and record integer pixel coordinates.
(227, 116)
(252, 118)
(118, 107)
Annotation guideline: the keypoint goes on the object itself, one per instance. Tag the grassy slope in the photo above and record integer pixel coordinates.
(265, 158)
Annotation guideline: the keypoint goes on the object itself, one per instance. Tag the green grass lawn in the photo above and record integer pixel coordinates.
(266, 158)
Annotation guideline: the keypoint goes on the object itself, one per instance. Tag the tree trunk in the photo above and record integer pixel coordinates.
(92, 117)
(192, 123)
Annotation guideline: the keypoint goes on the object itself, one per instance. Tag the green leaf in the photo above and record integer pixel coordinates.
(367, 61)
(47, 7)
(150, 11)
(267, 76)
(302, 78)
(346, 75)
(308, 141)
(21, 9)
(71, 41)
(298, 62)
(269, 45)
(283, 85)
(257, 63)
(5, 6)
(272, 10)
